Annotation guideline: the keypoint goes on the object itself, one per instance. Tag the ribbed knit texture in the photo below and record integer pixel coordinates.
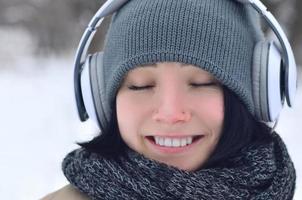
(260, 171)
(215, 35)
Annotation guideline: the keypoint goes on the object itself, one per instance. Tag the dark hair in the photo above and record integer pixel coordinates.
(108, 143)
(240, 129)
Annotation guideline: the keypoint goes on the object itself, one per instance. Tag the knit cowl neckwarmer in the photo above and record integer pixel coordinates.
(258, 171)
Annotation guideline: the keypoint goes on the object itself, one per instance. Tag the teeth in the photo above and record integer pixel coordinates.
(168, 142)
(161, 141)
(173, 142)
(156, 140)
(183, 142)
(189, 140)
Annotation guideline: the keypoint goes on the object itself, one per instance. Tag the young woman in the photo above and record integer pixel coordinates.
(176, 82)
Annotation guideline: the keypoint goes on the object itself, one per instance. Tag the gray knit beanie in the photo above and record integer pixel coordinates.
(216, 35)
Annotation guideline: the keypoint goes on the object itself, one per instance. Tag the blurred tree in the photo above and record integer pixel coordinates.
(57, 26)
(288, 15)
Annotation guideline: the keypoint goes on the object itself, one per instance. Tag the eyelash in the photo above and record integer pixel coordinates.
(133, 87)
(194, 85)
(203, 84)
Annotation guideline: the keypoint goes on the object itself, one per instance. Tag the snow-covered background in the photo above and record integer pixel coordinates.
(39, 123)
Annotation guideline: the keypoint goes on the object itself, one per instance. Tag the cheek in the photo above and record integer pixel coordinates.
(128, 109)
(130, 117)
(215, 109)
(124, 108)
(210, 110)
(124, 119)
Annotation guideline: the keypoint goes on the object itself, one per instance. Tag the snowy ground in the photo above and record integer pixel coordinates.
(39, 125)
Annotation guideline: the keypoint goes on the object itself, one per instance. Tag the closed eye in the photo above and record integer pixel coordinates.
(145, 87)
(204, 84)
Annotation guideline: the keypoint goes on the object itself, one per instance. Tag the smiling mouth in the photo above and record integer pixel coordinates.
(174, 142)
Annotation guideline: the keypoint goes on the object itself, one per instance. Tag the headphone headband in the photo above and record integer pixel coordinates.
(108, 8)
(288, 55)
(111, 6)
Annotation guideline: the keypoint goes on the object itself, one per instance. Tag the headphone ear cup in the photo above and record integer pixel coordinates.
(97, 86)
(267, 91)
(87, 91)
(275, 81)
(259, 76)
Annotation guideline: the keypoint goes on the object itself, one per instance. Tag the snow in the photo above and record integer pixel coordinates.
(39, 125)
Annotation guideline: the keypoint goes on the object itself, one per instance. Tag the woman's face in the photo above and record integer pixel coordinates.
(172, 113)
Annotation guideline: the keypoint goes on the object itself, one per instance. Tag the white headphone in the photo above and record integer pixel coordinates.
(274, 71)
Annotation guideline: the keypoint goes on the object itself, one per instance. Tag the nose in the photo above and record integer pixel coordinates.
(172, 108)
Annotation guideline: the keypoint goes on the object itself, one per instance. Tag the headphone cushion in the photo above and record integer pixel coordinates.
(97, 85)
(275, 79)
(259, 79)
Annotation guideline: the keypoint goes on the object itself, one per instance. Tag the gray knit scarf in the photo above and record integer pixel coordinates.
(258, 172)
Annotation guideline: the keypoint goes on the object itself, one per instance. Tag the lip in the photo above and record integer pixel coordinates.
(174, 135)
(172, 150)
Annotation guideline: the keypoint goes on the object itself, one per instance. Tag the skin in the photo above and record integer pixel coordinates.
(172, 100)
